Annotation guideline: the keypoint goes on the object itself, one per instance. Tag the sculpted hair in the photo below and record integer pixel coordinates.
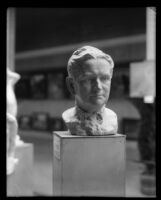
(81, 55)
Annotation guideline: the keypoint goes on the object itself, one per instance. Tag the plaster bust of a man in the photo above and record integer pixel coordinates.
(89, 80)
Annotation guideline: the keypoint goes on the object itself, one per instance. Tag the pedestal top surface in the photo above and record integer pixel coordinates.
(66, 134)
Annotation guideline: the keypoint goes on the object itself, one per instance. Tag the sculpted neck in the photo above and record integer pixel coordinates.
(90, 111)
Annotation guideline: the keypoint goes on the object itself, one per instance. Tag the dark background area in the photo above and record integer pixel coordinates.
(49, 27)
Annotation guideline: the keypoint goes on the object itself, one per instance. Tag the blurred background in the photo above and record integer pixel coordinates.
(42, 40)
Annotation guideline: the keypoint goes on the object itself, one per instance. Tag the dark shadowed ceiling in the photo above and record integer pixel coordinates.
(38, 28)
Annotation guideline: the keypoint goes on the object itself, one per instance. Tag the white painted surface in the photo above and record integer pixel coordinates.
(150, 33)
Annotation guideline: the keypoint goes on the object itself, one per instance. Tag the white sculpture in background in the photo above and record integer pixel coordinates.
(13, 139)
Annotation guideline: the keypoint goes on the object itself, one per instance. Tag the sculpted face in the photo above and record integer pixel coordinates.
(92, 85)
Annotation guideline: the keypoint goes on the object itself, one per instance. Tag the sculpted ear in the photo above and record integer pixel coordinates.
(70, 85)
(111, 73)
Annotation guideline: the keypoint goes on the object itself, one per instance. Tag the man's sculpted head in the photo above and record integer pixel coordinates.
(90, 72)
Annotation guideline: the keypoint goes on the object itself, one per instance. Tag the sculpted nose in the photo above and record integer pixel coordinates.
(98, 84)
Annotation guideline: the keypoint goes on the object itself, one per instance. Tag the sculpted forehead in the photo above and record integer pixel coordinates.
(83, 54)
(95, 66)
(97, 63)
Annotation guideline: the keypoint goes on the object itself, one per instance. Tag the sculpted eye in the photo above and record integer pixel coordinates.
(105, 78)
(84, 80)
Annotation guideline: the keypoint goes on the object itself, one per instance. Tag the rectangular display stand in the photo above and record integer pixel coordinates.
(88, 165)
(20, 182)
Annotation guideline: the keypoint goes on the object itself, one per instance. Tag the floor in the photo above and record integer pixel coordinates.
(42, 142)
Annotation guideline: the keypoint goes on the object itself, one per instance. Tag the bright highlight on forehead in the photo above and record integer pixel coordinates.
(95, 67)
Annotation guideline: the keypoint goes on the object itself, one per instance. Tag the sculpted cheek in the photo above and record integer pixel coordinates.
(85, 88)
(107, 87)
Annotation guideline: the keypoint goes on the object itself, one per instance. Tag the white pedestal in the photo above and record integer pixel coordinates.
(20, 182)
(88, 165)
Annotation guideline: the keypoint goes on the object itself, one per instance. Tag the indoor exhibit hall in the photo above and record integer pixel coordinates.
(93, 133)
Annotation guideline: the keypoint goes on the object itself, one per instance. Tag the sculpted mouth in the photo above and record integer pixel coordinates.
(97, 95)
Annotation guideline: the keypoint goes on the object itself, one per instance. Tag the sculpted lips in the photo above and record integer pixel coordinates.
(97, 95)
